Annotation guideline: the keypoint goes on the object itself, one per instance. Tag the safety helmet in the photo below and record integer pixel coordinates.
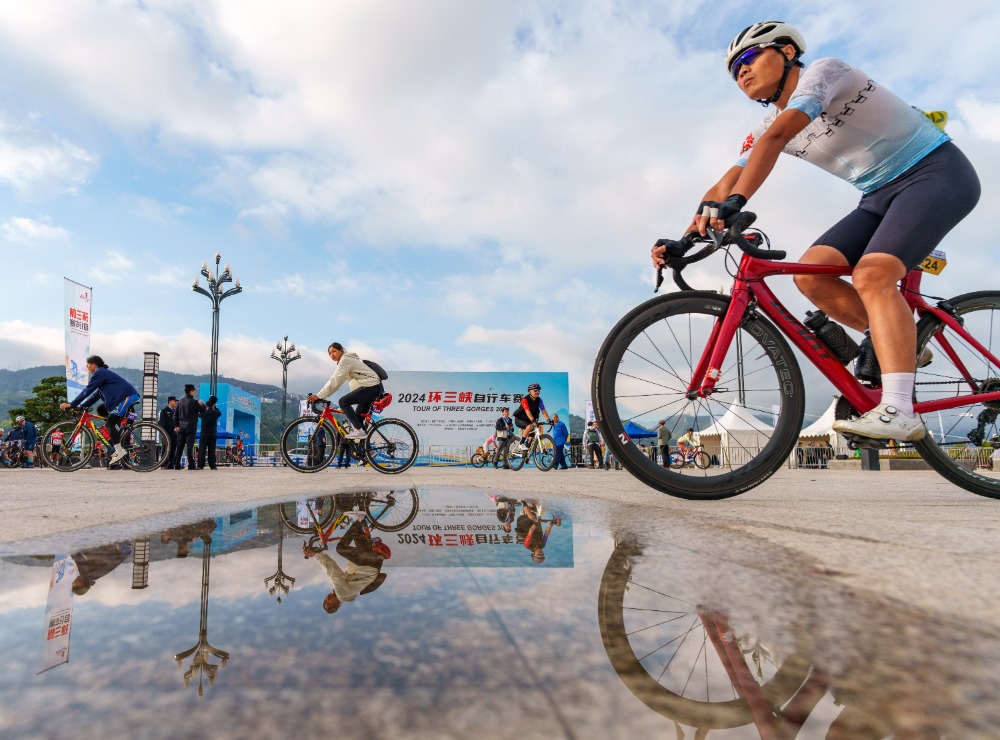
(534, 387)
(765, 33)
(19, 419)
(690, 429)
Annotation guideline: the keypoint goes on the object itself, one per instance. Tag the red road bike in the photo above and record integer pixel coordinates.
(693, 356)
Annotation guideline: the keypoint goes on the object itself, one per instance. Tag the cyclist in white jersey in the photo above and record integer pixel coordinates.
(915, 182)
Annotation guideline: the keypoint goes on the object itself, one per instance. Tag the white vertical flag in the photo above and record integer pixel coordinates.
(77, 321)
(58, 614)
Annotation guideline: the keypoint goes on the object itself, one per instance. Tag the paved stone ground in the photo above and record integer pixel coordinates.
(910, 536)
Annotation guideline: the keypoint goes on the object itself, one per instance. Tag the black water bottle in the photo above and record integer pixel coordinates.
(832, 335)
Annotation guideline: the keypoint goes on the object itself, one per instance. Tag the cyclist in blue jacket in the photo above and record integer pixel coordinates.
(119, 396)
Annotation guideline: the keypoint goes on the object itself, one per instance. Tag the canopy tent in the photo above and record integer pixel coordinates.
(821, 431)
(735, 437)
(634, 431)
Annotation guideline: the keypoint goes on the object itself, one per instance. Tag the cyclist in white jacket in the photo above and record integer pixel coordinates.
(365, 385)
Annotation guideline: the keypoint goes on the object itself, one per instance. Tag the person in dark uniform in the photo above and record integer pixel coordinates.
(188, 409)
(209, 430)
(168, 420)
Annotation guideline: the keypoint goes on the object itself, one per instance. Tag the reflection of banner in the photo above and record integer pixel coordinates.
(451, 530)
(58, 614)
(77, 317)
(462, 408)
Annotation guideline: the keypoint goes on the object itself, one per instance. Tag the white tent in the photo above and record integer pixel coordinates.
(821, 431)
(737, 436)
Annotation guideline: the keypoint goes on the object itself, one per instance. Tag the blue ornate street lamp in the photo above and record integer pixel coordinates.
(216, 293)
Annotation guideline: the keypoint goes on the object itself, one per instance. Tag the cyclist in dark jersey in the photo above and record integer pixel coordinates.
(915, 182)
(119, 396)
(526, 416)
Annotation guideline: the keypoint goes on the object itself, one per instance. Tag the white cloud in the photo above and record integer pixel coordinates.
(34, 160)
(26, 230)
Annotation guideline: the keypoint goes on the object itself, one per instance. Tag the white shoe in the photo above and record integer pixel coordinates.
(357, 434)
(355, 514)
(119, 454)
(884, 422)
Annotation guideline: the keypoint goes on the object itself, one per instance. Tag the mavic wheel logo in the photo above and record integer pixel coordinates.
(624, 438)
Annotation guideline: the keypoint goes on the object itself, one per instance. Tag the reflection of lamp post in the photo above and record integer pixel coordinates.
(284, 355)
(282, 581)
(216, 294)
(202, 650)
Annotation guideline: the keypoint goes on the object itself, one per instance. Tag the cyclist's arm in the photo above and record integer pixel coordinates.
(761, 161)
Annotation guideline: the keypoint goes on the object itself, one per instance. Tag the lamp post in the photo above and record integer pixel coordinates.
(216, 293)
(285, 355)
(279, 583)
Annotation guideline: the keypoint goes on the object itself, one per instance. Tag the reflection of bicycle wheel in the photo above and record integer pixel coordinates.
(393, 511)
(323, 507)
(391, 446)
(664, 649)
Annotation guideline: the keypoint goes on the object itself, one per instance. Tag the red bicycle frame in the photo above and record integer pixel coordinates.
(744, 298)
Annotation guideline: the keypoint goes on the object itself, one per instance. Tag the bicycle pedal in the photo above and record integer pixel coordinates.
(856, 442)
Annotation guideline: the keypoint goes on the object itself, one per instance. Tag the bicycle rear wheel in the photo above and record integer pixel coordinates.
(391, 446)
(75, 450)
(393, 511)
(308, 446)
(643, 372)
(148, 446)
(545, 452)
(323, 509)
(478, 460)
(956, 369)
(515, 460)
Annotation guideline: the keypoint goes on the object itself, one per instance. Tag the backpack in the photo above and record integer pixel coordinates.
(382, 374)
(593, 437)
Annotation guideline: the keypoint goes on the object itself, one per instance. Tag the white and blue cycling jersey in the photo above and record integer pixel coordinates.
(858, 130)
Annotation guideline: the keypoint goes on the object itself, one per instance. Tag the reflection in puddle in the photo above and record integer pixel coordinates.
(406, 613)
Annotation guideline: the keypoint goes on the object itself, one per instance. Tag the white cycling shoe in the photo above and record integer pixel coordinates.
(120, 453)
(883, 422)
(357, 434)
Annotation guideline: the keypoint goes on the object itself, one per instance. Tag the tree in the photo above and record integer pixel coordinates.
(43, 408)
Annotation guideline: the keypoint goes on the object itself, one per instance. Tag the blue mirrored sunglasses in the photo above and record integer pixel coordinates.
(747, 57)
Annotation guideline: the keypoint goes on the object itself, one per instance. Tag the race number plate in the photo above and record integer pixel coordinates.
(934, 263)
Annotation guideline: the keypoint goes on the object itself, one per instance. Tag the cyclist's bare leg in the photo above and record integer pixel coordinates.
(893, 332)
(834, 295)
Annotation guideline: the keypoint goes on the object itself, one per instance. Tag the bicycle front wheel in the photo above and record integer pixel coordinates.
(393, 511)
(391, 446)
(702, 460)
(148, 446)
(75, 451)
(959, 441)
(308, 445)
(644, 371)
(545, 452)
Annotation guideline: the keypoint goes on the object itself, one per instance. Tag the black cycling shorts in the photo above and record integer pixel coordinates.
(909, 216)
(522, 422)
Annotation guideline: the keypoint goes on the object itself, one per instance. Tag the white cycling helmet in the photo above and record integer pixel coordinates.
(763, 33)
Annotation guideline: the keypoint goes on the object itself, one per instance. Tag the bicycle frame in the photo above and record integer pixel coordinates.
(750, 294)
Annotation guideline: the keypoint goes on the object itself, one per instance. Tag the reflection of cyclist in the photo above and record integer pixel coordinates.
(365, 385)
(686, 441)
(119, 395)
(526, 416)
(96, 563)
(916, 187)
(529, 531)
(364, 565)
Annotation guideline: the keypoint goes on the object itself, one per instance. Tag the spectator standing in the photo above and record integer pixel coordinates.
(560, 435)
(188, 409)
(344, 454)
(592, 439)
(209, 434)
(30, 440)
(168, 420)
(663, 442)
(505, 429)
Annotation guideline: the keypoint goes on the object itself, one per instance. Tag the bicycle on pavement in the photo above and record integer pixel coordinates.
(695, 456)
(11, 454)
(697, 354)
(310, 443)
(327, 515)
(69, 445)
(542, 449)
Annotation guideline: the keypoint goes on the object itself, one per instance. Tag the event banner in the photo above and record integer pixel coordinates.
(456, 408)
(77, 317)
(58, 614)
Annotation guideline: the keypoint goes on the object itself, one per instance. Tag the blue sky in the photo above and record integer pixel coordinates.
(443, 185)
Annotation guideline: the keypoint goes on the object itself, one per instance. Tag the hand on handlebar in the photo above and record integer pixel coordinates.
(718, 215)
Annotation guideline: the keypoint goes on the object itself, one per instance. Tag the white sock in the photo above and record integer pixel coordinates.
(897, 390)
